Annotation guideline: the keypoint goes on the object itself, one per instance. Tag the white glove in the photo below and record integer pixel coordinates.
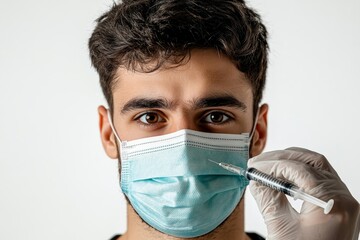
(312, 173)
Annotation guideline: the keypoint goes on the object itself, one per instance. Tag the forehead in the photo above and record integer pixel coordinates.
(206, 72)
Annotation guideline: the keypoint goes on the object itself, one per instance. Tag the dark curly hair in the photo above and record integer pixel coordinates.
(135, 33)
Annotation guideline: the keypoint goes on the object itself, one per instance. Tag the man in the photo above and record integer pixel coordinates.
(184, 82)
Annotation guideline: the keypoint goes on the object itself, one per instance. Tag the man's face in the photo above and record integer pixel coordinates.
(208, 93)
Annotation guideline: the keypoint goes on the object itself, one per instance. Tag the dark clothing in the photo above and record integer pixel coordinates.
(253, 236)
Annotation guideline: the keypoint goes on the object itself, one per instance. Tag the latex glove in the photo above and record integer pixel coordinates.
(312, 173)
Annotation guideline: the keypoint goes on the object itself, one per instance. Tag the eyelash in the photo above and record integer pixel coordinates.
(139, 116)
(208, 114)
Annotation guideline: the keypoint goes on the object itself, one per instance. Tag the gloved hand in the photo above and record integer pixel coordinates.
(312, 173)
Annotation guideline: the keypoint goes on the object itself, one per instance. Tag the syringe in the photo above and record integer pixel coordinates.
(277, 184)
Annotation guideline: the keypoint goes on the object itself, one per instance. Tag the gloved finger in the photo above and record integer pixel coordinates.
(311, 158)
(297, 172)
(326, 190)
(318, 183)
(275, 209)
(312, 172)
(269, 201)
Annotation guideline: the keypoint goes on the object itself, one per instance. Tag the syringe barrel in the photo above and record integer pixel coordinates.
(270, 181)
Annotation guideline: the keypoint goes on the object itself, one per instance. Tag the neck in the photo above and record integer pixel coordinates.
(231, 228)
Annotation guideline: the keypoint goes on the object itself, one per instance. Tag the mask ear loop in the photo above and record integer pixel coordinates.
(112, 125)
(253, 131)
(254, 126)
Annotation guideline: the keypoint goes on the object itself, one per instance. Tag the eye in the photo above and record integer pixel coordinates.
(150, 118)
(216, 118)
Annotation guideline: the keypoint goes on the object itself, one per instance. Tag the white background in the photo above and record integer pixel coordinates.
(55, 180)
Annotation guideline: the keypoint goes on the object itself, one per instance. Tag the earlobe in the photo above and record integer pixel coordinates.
(106, 134)
(260, 134)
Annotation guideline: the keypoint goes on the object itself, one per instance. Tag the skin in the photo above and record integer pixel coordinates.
(207, 93)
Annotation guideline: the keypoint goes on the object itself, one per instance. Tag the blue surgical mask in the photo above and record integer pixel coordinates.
(173, 186)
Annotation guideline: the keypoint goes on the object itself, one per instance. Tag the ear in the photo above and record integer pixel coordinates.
(260, 135)
(107, 136)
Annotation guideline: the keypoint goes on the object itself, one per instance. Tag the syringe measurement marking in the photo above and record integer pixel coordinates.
(269, 181)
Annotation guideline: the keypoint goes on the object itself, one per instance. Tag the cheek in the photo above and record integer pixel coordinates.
(128, 132)
(246, 122)
(129, 129)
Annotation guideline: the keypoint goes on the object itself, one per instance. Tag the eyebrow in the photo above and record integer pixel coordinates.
(219, 101)
(206, 102)
(139, 103)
